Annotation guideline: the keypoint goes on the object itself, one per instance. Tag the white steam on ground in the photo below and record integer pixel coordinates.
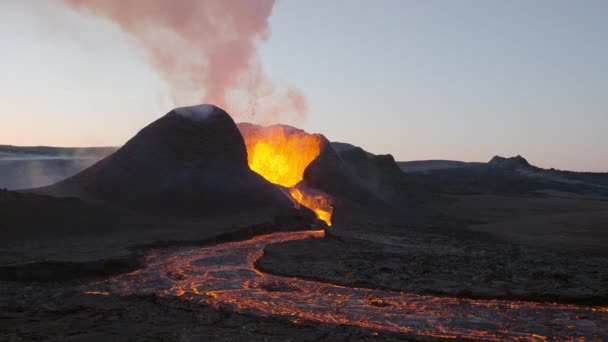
(26, 168)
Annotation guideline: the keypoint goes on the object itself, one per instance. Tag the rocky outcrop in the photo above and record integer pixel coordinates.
(517, 162)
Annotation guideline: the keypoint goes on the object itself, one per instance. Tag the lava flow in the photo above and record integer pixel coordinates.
(281, 154)
(225, 275)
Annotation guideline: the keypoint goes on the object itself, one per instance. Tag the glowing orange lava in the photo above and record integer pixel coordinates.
(225, 275)
(317, 201)
(281, 154)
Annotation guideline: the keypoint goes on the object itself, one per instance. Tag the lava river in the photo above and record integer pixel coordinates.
(224, 275)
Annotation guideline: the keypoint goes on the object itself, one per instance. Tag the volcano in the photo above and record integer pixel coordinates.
(195, 161)
(282, 154)
(316, 174)
(192, 161)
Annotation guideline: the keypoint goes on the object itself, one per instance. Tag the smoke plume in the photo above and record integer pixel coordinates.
(206, 51)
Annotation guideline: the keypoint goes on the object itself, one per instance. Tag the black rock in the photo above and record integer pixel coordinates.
(510, 163)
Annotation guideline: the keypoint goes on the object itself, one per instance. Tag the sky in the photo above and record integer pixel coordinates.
(460, 80)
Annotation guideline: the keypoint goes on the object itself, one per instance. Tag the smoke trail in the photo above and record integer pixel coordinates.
(205, 50)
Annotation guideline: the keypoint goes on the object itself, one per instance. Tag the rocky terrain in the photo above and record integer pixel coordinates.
(62, 312)
(534, 247)
(504, 229)
(457, 263)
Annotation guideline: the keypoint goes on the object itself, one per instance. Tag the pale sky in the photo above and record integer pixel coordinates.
(461, 80)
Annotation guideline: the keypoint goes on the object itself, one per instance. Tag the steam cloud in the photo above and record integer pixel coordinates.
(206, 51)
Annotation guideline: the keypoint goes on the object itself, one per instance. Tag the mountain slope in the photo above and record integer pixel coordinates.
(192, 161)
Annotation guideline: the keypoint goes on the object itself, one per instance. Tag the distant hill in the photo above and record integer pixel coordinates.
(37, 166)
(511, 175)
(428, 165)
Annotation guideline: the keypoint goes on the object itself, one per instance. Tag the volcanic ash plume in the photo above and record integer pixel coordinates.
(206, 51)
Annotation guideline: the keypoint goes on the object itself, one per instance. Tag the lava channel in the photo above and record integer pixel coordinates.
(225, 275)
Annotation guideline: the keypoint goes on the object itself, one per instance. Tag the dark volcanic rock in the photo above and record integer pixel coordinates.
(510, 163)
(192, 161)
(380, 172)
(342, 147)
(331, 174)
(363, 178)
(448, 260)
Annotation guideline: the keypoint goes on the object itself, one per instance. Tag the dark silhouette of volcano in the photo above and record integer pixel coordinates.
(192, 161)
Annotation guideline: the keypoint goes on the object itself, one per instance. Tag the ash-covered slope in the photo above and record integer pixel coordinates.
(192, 161)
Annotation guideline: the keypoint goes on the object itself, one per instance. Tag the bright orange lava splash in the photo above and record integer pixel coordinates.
(226, 275)
(281, 154)
(318, 202)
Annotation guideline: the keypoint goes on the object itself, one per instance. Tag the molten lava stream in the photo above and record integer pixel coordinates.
(281, 154)
(315, 200)
(224, 274)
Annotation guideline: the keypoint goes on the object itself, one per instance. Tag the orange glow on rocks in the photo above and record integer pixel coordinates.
(280, 154)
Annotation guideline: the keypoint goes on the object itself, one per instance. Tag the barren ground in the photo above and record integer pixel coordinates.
(525, 247)
(545, 247)
(62, 312)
